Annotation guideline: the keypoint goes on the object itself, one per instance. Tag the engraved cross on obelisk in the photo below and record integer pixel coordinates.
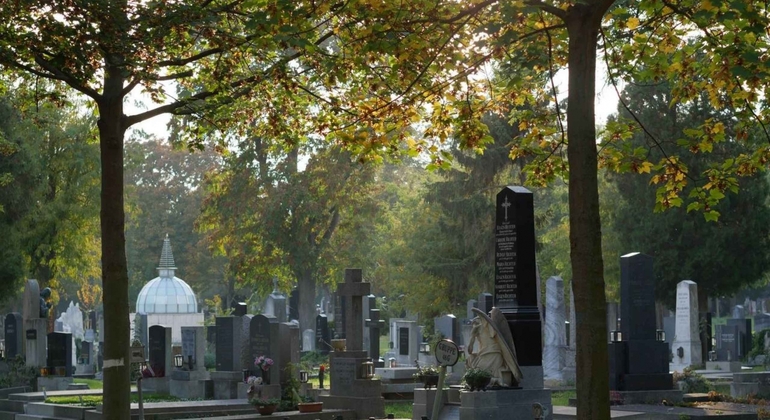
(505, 205)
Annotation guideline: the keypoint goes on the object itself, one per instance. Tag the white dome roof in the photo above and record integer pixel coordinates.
(166, 294)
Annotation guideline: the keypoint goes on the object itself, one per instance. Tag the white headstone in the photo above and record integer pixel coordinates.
(308, 340)
(687, 337)
(555, 331)
(35, 328)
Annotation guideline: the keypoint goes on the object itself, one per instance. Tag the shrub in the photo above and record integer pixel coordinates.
(693, 382)
(18, 374)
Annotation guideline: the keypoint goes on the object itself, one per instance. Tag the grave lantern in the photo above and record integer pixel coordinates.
(392, 362)
(660, 335)
(303, 376)
(2, 353)
(712, 356)
(424, 348)
(178, 361)
(616, 336)
(367, 370)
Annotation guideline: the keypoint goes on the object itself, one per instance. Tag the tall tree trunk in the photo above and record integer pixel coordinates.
(117, 387)
(306, 287)
(583, 22)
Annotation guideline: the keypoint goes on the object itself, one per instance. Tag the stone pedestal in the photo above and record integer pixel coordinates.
(36, 340)
(53, 383)
(225, 384)
(423, 402)
(156, 385)
(512, 404)
(191, 385)
(349, 389)
(724, 366)
(745, 384)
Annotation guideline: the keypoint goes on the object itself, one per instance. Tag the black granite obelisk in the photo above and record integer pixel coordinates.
(515, 272)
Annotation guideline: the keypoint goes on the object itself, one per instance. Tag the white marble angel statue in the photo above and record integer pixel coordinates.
(491, 348)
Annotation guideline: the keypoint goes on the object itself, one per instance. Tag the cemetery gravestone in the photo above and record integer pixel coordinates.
(289, 354)
(515, 279)
(193, 347)
(369, 302)
(669, 328)
(246, 360)
(728, 343)
(351, 387)
(472, 303)
(294, 304)
(613, 314)
(159, 350)
(263, 341)
(276, 304)
(322, 335)
(485, 303)
(308, 340)
(739, 312)
(240, 308)
(448, 327)
(60, 353)
(35, 328)
(555, 334)
(639, 362)
(228, 339)
(687, 329)
(14, 344)
(743, 337)
(374, 324)
(142, 329)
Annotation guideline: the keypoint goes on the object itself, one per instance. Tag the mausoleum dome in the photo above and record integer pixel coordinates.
(166, 294)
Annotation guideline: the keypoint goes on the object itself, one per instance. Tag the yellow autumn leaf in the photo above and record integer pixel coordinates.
(522, 126)
(632, 23)
(645, 167)
(679, 176)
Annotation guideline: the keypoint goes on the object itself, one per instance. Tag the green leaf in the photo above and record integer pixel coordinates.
(711, 216)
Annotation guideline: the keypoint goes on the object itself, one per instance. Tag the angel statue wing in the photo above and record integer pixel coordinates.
(503, 333)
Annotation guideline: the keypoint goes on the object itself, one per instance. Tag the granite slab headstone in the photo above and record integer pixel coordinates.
(728, 343)
(228, 339)
(194, 347)
(447, 326)
(60, 353)
(308, 340)
(159, 350)
(294, 304)
(322, 334)
(739, 312)
(555, 335)
(14, 335)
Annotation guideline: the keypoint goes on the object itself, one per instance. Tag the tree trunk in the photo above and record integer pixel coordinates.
(306, 287)
(117, 386)
(583, 22)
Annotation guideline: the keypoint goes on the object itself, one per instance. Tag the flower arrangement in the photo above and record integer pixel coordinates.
(253, 380)
(477, 379)
(263, 362)
(260, 402)
(427, 370)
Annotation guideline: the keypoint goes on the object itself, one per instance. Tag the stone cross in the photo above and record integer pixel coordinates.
(374, 323)
(353, 290)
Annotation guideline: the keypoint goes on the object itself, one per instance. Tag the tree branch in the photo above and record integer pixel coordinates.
(66, 78)
(549, 8)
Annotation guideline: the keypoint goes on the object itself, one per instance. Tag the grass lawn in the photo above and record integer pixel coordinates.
(92, 383)
(561, 398)
(94, 400)
(399, 409)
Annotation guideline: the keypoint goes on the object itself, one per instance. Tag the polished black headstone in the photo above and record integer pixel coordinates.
(637, 297)
(13, 335)
(322, 335)
(294, 304)
(260, 337)
(228, 339)
(728, 343)
(60, 352)
(515, 272)
(744, 335)
(403, 341)
(157, 350)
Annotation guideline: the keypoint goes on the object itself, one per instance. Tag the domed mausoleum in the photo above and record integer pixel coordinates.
(165, 300)
(166, 294)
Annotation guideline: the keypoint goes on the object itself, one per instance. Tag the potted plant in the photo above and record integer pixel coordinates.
(309, 406)
(428, 375)
(265, 406)
(477, 379)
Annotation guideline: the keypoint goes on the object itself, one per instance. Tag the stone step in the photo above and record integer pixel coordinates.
(4, 393)
(36, 417)
(7, 415)
(55, 410)
(11, 405)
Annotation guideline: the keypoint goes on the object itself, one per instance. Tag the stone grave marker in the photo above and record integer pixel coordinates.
(14, 335)
(639, 362)
(194, 347)
(516, 279)
(294, 304)
(322, 335)
(472, 303)
(35, 327)
(555, 334)
(86, 353)
(761, 322)
(263, 341)
(211, 335)
(669, 327)
(687, 329)
(246, 359)
(142, 328)
(228, 339)
(743, 337)
(406, 339)
(739, 312)
(374, 324)
(351, 387)
(728, 343)
(308, 340)
(369, 302)
(60, 353)
(240, 308)
(159, 351)
(288, 343)
(448, 327)
(275, 305)
(613, 316)
(485, 303)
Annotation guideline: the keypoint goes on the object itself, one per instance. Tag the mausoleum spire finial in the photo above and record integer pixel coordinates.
(167, 257)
